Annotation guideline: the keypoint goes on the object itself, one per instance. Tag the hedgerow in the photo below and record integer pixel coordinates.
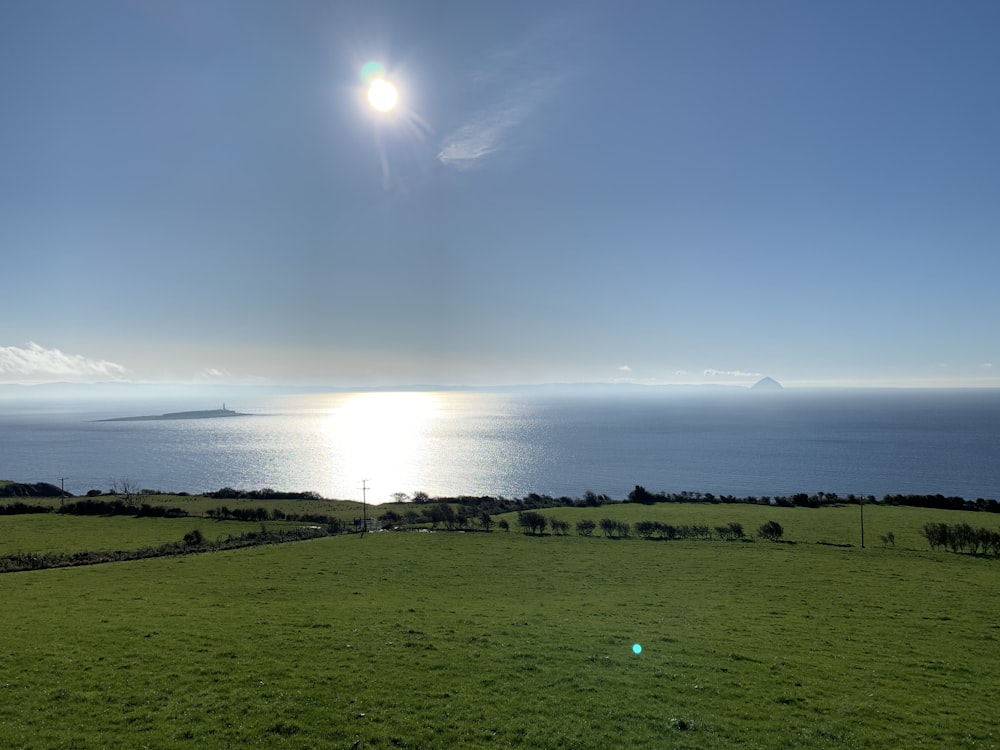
(194, 541)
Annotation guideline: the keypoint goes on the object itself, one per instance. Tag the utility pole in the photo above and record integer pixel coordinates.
(62, 486)
(861, 502)
(364, 507)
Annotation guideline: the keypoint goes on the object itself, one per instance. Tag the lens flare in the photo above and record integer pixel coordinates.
(636, 648)
(371, 70)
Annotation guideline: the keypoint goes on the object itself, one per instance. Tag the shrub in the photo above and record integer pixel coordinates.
(194, 538)
(641, 495)
(771, 531)
(532, 522)
(559, 526)
(586, 527)
(730, 532)
(645, 529)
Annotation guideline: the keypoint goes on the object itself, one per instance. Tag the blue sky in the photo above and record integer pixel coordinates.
(584, 191)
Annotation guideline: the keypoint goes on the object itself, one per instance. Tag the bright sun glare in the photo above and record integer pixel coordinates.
(382, 95)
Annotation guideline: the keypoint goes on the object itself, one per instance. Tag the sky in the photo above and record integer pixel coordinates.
(676, 191)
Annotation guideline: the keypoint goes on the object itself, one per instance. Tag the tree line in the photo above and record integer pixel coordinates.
(534, 523)
(333, 525)
(590, 499)
(961, 537)
(534, 501)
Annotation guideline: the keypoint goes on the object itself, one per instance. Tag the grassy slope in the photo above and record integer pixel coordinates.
(53, 532)
(499, 640)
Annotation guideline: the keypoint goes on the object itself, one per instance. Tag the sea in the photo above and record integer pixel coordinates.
(374, 445)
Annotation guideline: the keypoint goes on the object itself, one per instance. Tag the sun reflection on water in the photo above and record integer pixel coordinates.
(382, 438)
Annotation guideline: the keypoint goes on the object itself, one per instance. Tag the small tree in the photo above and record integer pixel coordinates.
(194, 538)
(641, 495)
(771, 531)
(130, 493)
(486, 521)
(502, 524)
(730, 532)
(586, 527)
(450, 518)
(532, 522)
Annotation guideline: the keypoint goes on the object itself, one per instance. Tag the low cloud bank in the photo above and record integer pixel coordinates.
(34, 363)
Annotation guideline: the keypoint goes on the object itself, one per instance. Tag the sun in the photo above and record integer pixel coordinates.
(382, 95)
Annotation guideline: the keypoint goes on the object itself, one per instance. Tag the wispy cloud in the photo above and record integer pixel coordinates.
(625, 368)
(731, 373)
(516, 82)
(34, 363)
(488, 128)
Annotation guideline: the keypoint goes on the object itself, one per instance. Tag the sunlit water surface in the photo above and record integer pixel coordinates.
(451, 443)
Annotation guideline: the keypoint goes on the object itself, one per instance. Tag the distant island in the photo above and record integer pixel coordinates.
(205, 414)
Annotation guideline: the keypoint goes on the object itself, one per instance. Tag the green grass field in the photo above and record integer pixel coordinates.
(52, 532)
(836, 525)
(443, 640)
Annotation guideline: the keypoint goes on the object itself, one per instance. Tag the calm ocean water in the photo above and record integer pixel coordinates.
(511, 444)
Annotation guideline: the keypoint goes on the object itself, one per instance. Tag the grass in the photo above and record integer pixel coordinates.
(54, 532)
(500, 640)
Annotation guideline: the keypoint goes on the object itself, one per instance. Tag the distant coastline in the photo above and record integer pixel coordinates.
(204, 414)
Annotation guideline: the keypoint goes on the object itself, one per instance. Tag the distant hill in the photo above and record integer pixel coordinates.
(38, 489)
(767, 384)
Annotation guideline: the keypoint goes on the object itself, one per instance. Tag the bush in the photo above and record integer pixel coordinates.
(641, 495)
(19, 508)
(771, 531)
(532, 522)
(730, 532)
(585, 527)
(645, 529)
(194, 538)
